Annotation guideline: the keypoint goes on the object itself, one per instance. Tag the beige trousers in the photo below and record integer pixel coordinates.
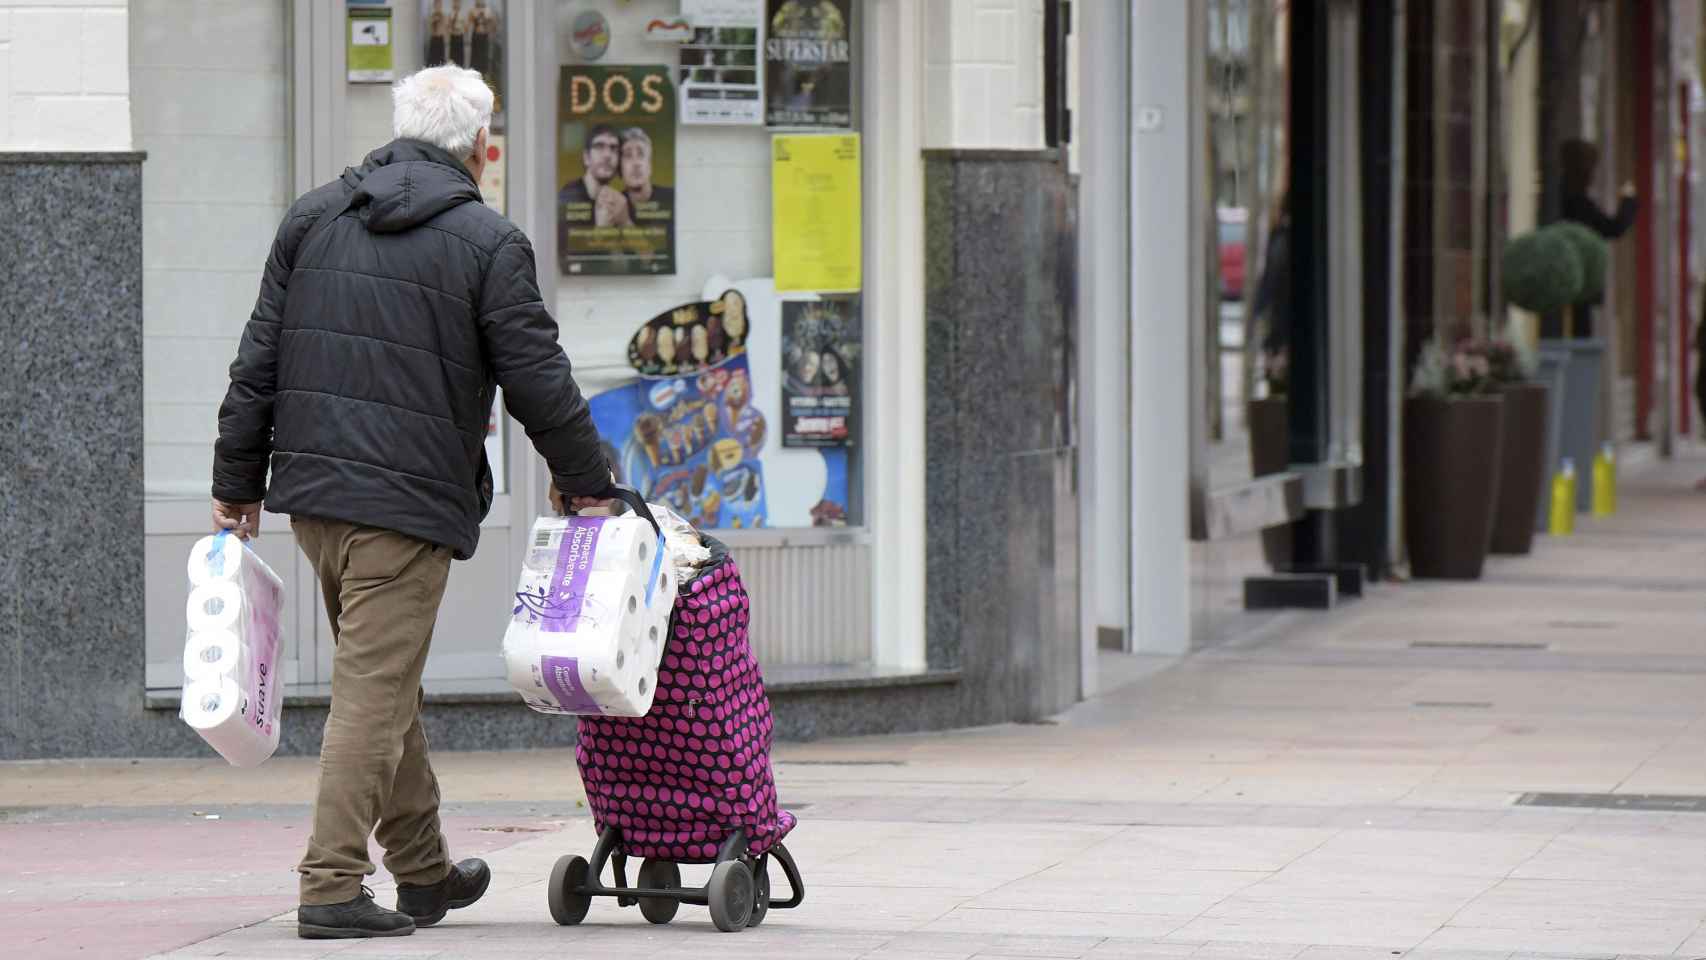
(382, 590)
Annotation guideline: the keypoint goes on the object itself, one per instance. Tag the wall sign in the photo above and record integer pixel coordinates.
(616, 170)
(809, 64)
(368, 55)
(815, 212)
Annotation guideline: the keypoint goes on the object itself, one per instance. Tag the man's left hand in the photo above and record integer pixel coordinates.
(242, 519)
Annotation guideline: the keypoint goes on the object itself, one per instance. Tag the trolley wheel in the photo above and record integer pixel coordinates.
(659, 875)
(568, 906)
(761, 896)
(731, 893)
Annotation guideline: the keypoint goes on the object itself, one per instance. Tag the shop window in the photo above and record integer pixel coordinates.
(718, 324)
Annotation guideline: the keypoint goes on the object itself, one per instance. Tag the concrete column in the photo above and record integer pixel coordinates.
(1103, 124)
(1167, 290)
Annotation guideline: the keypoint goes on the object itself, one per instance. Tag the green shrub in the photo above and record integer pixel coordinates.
(1542, 271)
(1592, 251)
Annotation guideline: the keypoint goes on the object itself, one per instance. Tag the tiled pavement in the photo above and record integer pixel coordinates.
(1326, 790)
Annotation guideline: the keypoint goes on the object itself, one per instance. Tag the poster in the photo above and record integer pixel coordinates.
(808, 62)
(691, 338)
(616, 170)
(492, 177)
(721, 79)
(369, 57)
(821, 344)
(468, 33)
(691, 443)
(815, 211)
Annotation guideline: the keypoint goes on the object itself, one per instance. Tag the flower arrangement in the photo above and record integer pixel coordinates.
(1458, 372)
(1507, 361)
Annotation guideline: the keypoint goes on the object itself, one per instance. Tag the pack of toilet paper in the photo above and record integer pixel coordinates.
(591, 616)
(231, 696)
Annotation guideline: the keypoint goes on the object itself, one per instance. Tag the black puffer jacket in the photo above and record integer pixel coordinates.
(367, 370)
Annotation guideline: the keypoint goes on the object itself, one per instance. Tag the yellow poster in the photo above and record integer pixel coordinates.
(815, 223)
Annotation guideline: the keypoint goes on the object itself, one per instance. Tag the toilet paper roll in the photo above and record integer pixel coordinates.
(215, 605)
(219, 557)
(214, 654)
(603, 543)
(215, 710)
(599, 601)
(654, 642)
(597, 672)
(625, 544)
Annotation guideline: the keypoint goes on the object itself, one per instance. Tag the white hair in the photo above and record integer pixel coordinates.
(445, 106)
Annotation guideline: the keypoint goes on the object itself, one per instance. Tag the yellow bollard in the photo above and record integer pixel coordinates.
(1605, 482)
(1563, 521)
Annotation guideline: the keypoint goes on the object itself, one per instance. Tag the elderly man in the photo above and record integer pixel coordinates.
(392, 305)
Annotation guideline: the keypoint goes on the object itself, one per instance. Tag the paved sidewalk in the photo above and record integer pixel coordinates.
(1347, 787)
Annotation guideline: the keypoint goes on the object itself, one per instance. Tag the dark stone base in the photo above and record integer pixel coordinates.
(1348, 577)
(1298, 591)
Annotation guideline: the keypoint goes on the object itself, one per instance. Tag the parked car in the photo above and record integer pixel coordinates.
(1232, 233)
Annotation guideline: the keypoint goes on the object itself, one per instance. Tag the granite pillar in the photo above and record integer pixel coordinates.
(71, 656)
(1002, 591)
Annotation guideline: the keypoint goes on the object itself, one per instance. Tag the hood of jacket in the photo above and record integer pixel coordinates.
(406, 183)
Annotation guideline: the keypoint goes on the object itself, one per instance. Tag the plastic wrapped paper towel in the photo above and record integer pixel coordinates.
(591, 614)
(687, 552)
(231, 695)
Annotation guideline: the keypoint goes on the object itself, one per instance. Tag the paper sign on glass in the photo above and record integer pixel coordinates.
(815, 212)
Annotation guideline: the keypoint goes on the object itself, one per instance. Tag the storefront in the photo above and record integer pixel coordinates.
(727, 199)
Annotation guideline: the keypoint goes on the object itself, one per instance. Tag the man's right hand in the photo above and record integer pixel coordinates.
(578, 503)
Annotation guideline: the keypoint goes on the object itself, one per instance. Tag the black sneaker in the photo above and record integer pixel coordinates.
(466, 883)
(360, 917)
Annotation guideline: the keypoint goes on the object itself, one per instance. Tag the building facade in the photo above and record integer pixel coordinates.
(922, 572)
(1071, 441)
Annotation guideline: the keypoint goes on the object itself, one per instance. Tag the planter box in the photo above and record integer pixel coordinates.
(1452, 454)
(1579, 434)
(1523, 467)
(1553, 368)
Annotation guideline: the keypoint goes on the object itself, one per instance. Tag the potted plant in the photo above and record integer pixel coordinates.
(1270, 453)
(1511, 369)
(1453, 433)
(1560, 269)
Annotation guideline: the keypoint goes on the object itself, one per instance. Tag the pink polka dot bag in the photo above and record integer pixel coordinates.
(689, 782)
